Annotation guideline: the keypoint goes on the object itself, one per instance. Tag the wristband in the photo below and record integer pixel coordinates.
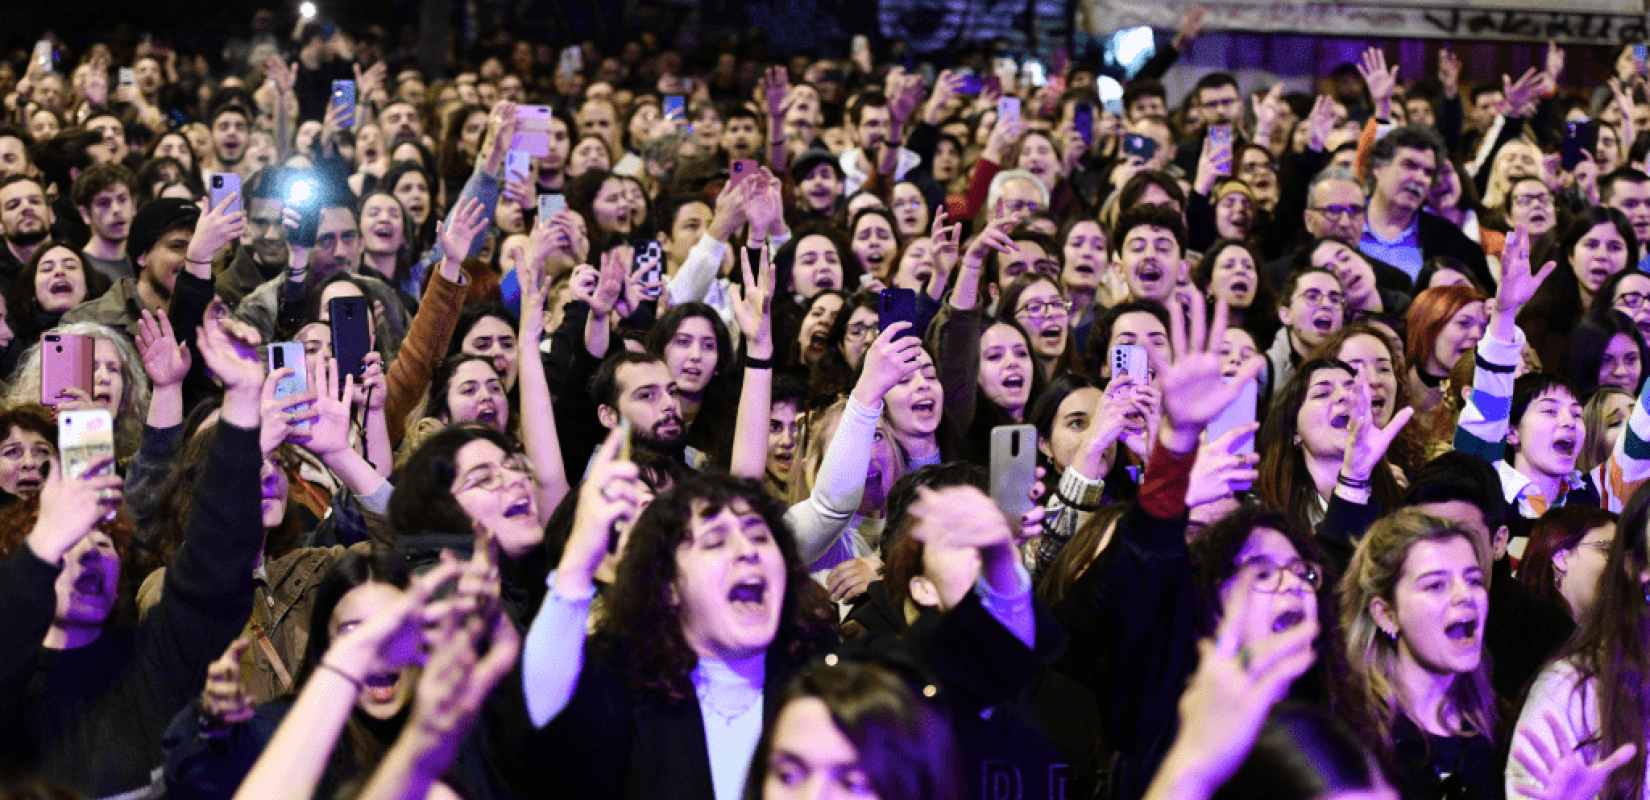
(208, 262)
(354, 681)
(758, 363)
(1353, 483)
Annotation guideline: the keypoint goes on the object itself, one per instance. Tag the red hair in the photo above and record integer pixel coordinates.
(1428, 315)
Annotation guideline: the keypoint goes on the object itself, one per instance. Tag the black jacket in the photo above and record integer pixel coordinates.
(92, 717)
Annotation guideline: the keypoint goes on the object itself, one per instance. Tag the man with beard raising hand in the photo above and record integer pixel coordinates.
(25, 223)
(1404, 166)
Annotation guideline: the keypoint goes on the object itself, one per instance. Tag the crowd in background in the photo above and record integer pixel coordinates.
(691, 450)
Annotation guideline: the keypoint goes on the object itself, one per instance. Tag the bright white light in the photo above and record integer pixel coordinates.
(306, 10)
(1109, 89)
(1132, 43)
(300, 193)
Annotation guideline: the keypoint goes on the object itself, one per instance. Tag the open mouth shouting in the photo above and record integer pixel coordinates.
(1340, 421)
(1463, 631)
(1288, 619)
(1564, 444)
(487, 414)
(1323, 323)
(749, 596)
(381, 687)
(522, 508)
(61, 288)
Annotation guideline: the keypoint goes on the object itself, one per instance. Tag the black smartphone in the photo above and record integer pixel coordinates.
(1579, 136)
(351, 336)
(898, 305)
(1143, 147)
(1082, 118)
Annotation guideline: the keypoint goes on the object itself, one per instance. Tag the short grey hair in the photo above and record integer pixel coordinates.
(1007, 175)
(1334, 173)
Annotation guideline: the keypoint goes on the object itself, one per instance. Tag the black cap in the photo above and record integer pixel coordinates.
(156, 219)
(810, 159)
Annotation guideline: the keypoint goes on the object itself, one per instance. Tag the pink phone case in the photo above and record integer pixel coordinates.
(66, 362)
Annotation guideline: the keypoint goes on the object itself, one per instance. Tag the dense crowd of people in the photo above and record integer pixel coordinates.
(643, 424)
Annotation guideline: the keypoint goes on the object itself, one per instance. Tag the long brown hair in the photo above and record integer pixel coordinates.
(1285, 482)
(1408, 451)
(1558, 530)
(1612, 649)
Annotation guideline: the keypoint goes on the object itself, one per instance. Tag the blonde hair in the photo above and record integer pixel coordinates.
(818, 431)
(133, 407)
(1372, 656)
(1595, 449)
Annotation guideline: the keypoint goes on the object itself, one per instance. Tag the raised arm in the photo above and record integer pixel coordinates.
(753, 306)
(1482, 429)
(840, 483)
(553, 656)
(538, 417)
(391, 639)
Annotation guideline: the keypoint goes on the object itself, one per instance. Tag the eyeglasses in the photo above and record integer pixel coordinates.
(1528, 200)
(1268, 574)
(1629, 300)
(862, 330)
(1318, 297)
(913, 205)
(1018, 206)
(1256, 167)
(1602, 547)
(1043, 309)
(491, 476)
(1343, 212)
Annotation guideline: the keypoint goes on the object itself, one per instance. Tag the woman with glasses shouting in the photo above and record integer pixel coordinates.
(1038, 304)
(1627, 291)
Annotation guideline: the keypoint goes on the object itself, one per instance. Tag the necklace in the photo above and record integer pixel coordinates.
(726, 703)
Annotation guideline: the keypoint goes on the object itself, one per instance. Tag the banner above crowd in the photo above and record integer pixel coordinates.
(1579, 21)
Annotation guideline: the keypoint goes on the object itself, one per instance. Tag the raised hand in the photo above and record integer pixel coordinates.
(1382, 82)
(459, 235)
(1217, 469)
(609, 498)
(71, 508)
(1267, 111)
(943, 240)
(230, 350)
(393, 636)
(763, 206)
(329, 416)
(164, 359)
(1518, 282)
(1554, 64)
(280, 417)
(1367, 441)
(959, 518)
(1522, 94)
(753, 304)
(1003, 136)
(776, 85)
(535, 289)
(849, 579)
(1449, 72)
(1563, 772)
(373, 387)
(224, 702)
(217, 228)
(1320, 123)
(1226, 703)
(946, 85)
(454, 685)
(1191, 24)
(1193, 391)
(887, 361)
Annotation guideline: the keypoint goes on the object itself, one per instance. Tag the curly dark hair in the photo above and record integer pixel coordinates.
(1214, 562)
(642, 631)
